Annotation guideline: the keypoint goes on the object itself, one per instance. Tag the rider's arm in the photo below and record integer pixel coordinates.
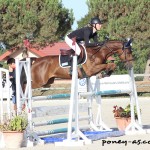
(87, 39)
(95, 38)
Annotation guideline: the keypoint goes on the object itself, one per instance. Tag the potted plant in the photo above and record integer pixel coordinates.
(13, 131)
(123, 116)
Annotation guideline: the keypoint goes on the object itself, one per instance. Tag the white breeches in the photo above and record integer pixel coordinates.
(75, 47)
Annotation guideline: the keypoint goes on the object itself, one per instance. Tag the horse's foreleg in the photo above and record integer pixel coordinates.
(110, 68)
(107, 70)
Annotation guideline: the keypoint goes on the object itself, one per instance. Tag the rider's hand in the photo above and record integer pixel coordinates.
(99, 44)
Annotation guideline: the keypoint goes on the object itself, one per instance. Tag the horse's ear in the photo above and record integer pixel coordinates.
(128, 43)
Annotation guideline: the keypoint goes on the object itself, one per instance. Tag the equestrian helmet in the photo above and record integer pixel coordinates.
(95, 20)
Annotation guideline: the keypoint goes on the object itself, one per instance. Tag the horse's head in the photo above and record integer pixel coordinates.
(122, 49)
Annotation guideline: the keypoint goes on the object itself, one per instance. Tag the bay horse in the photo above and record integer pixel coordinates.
(44, 70)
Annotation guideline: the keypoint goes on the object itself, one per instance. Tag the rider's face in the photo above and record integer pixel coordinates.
(98, 26)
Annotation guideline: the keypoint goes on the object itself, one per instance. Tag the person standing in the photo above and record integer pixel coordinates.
(12, 76)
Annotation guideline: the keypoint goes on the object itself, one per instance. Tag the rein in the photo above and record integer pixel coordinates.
(97, 50)
(123, 51)
(111, 51)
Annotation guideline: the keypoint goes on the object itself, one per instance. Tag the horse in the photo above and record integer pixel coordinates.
(44, 70)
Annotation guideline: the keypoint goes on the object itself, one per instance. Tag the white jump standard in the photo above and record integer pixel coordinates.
(115, 84)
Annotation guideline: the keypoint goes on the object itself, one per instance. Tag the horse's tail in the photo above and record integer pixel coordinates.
(23, 78)
(33, 59)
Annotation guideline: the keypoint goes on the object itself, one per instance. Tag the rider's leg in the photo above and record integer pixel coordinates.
(75, 47)
(72, 45)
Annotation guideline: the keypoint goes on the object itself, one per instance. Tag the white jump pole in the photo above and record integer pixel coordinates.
(7, 89)
(18, 86)
(131, 73)
(99, 122)
(73, 112)
(1, 97)
(29, 95)
(102, 87)
(8, 94)
(25, 95)
(99, 125)
(134, 127)
(73, 139)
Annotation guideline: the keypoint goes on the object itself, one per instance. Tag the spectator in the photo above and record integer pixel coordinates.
(12, 76)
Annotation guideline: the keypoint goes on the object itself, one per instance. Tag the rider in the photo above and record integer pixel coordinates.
(84, 34)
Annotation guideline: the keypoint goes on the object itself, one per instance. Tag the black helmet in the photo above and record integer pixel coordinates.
(95, 20)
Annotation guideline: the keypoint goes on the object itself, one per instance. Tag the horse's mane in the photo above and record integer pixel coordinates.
(113, 41)
(106, 42)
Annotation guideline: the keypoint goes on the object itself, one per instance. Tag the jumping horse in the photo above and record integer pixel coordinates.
(44, 70)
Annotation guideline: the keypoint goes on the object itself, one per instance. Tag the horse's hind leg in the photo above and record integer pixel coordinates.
(50, 81)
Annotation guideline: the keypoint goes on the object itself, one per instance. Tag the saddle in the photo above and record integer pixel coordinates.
(66, 57)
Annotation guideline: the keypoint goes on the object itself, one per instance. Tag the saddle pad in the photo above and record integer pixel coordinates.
(65, 61)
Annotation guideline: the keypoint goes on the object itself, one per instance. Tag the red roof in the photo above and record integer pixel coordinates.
(5, 55)
(53, 49)
(37, 52)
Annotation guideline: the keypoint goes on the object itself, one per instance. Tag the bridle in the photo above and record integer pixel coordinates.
(111, 51)
(123, 52)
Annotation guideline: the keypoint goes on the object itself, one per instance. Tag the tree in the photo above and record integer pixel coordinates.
(122, 19)
(42, 22)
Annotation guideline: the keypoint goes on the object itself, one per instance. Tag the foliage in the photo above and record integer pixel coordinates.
(122, 19)
(17, 123)
(42, 22)
(124, 112)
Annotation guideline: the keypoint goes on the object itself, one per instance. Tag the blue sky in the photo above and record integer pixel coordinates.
(79, 7)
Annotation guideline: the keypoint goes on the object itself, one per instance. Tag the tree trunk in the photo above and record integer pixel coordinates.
(147, 70)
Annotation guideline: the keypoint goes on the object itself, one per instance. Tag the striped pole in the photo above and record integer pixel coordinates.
(109, 92)
(51, 122)
(57, 121)
(54, 131)
(56, 96)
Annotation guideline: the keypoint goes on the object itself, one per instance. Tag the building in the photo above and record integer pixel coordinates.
(53, 49)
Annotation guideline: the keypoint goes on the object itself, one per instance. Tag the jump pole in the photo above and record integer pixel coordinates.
(56, 121)
(7, 88)
(131, 73)
(133, 127)
(73, 138)
(48, 97)
(90, 100)
(26, 95)
(53, 131)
